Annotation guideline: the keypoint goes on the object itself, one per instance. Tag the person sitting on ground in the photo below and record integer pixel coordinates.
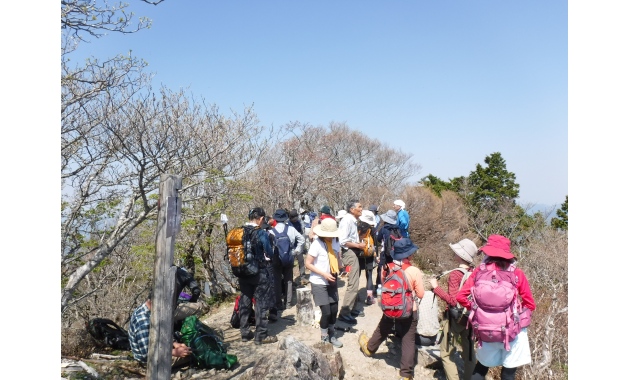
(465, 250)
(139, 327)
(406, 327)
(187, 304)
(323, 262)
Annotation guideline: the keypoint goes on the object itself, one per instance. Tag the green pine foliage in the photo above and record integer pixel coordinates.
(562, 221)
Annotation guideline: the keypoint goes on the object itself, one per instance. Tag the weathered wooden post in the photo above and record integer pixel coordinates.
(161, 332)
(304, 307)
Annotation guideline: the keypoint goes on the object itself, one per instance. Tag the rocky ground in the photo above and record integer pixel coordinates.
(383, 365)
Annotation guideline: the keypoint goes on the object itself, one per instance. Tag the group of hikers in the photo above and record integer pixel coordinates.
(332, 246)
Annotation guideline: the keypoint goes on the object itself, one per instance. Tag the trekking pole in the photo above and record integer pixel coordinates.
(224, 220)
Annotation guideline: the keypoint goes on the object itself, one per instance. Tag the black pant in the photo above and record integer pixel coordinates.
(283, 283)
(258, 287)
(481, 370)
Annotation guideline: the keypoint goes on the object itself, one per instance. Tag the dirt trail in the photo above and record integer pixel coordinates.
(384, 364)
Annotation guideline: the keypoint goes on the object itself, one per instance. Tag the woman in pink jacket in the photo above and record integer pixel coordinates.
(497, 256)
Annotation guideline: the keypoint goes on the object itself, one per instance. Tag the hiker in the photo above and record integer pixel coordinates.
(301, 226)
(259, 286)
(324, 213)
(323, 262)
(377, 219)
(390, 226)
(465, 250)
(365, 228)
(139, 326)
(402, 216)
(283, 269)
(497, 256)
(186, 304)
(406, 327)
(349, 241)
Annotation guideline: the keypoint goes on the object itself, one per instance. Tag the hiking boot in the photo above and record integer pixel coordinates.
(305, 281)
(347, 319)
(357, 313)
(268, 339)
(272, 317)
(363, 341)
(248, 337)
(332, 340)
(369, 301)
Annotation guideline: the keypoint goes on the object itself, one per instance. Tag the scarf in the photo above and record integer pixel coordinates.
(332, 258)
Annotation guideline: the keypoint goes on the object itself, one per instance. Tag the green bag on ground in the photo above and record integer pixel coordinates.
(206, 344)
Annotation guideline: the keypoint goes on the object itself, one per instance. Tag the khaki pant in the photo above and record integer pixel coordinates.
(452, 331)
(352, 281)
(186, 309)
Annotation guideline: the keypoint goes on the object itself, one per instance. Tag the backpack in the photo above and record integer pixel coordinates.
(282, 246)
(428, 315)
(458, 313)
(495, 306)
(106, 331)
(369, 250)
(240, 250)
(235, 320)
(396, 293)
(394, 234)
(206, 345)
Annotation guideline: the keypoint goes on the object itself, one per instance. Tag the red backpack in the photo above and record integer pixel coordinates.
(495, 306)
(396, 294)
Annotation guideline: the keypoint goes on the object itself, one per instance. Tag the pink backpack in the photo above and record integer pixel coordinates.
(495, 306)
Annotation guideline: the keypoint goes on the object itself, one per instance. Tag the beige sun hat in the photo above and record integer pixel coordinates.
(341, 214)
(367, 216)
(327, 228)
(465, 249)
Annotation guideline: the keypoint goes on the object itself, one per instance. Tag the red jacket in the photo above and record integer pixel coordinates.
(523, 288)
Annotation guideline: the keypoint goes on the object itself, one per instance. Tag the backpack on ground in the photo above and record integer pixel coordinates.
(396, 293)
(235, 320)
(105, 331)
(206, 345)
(495, 306)
(394, 234)
(283, 247)
(240, 250)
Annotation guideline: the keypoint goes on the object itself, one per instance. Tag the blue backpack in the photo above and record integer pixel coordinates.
(282, 246)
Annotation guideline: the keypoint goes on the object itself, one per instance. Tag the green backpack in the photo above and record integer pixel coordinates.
(206, 345)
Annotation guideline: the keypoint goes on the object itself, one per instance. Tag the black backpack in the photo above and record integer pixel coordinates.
(282, 246)
(105, 331)
(394, 234)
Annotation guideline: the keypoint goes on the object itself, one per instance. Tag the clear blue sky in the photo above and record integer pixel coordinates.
(449, 82)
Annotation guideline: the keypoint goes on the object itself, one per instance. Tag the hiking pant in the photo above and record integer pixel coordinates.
(185, 309)
(283, 283)
(261, 288)
(451, 331)
(407, 329)
(348, 257)
(302, 268)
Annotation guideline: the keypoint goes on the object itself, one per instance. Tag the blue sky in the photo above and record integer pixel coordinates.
(449, 82)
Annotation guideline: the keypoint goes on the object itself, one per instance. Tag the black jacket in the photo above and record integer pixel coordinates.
(184, 279)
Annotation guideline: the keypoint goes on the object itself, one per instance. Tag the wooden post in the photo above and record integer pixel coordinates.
(304, 307)
(163, 301)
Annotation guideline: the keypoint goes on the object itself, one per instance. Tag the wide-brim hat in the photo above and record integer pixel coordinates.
(280, 215)
(498, 246)
(390, 217)
(466, 249)
(327, 228)
(403, 248)
(341, 214)
(367, 216)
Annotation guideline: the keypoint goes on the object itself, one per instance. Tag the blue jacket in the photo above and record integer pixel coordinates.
(403, 222)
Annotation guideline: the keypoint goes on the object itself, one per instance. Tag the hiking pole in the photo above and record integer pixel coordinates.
(224, 220)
